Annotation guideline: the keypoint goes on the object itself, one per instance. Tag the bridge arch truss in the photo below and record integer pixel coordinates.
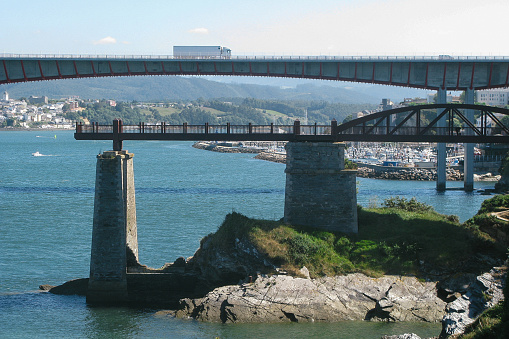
(422, 124)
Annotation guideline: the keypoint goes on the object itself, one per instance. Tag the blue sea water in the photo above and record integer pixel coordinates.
(182, 194)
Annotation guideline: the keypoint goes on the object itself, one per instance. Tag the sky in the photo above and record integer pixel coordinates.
(260, 27)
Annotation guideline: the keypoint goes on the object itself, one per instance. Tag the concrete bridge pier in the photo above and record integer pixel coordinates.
(468, 169)
(319, 191)
(114, 235)
(441, 147)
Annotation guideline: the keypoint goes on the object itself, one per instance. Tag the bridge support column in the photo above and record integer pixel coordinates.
(114, 235)
(319, 191)
(468, 169)
(441, 147)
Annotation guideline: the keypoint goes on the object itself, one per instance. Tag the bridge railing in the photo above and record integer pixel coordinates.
(284, 129)
(208, 129)
(256, 57)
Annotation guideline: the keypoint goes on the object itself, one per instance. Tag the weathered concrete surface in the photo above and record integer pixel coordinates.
(283, 298)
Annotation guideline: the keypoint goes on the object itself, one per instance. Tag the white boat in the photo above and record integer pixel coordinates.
(37, 154)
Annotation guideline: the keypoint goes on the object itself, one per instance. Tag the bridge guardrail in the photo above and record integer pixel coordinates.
(205, 129)
(256, 57)
(279, 129)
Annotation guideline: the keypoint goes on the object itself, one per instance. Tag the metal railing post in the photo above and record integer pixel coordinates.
(334, 127)
(117, 130)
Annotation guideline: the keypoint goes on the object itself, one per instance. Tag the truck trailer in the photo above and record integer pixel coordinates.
(201, 52)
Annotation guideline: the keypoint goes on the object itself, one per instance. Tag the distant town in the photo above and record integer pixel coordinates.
(42, 112)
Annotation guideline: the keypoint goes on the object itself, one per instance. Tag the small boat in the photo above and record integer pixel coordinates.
(37, 154)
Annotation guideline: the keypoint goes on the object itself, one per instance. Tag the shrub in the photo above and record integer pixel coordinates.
(411, 205)
(494, 204)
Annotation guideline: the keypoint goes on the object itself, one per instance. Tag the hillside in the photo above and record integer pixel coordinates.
(147, 88)
(217, 111)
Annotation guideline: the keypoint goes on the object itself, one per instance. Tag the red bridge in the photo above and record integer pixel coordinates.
(441, 72)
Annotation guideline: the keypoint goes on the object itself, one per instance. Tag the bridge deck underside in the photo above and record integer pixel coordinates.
(453, 74)
(293, 137)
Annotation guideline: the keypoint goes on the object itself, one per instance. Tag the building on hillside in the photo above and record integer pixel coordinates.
(73, 105)
(387, 104)
(38, 100)
(414, 101)
(494, 97)
(450, 98)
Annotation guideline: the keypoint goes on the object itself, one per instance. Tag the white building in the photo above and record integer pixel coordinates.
(5, 96)
(494, 97)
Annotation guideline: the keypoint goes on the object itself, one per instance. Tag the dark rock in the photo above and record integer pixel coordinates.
(73, 287)
(45, 287)
(180, 262)
(452, 287)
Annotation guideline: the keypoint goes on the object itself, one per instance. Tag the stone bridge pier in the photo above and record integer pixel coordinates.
(114, 234)
(319, 191)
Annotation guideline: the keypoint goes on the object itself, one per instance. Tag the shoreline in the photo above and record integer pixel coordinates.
(363, 171)
(35, 129)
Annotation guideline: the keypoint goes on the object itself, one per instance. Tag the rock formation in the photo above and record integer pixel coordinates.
(281, 298)
(485, 292)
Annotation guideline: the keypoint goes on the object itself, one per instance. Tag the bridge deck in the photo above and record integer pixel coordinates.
(356, 130)
(426, 72)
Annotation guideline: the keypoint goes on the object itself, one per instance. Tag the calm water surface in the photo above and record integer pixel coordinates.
(182, 194)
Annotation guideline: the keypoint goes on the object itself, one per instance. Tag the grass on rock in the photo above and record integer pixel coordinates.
(394, 239)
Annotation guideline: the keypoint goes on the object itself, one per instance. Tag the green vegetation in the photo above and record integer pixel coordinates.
(350, 164)
(394, 239)
(236, 111)
(492, 324)
(491, 234)
(490, 229)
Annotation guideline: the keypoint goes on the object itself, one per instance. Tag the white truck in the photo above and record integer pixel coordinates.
(201, 52)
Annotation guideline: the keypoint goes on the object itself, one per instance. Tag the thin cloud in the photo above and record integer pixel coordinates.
(106, 41)
(199, 31)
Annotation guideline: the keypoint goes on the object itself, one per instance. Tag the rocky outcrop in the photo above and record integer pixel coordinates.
(282, 298)
(272, 156)
(225, 147)
(485, 292)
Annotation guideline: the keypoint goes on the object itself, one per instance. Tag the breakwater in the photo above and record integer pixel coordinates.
(263, 152)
